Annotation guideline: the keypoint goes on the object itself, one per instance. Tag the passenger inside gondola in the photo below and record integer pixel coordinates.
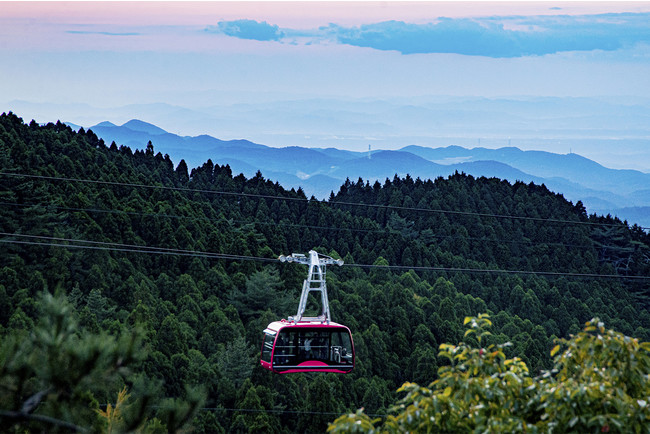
(307, 348)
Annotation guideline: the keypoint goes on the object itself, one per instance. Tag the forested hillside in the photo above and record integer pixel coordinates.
(190, 257)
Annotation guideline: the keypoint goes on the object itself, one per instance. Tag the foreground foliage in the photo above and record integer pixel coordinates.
(53, 379)
(600, 383)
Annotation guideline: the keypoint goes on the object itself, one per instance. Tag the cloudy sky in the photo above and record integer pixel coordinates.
(124, 51)
(95, 55)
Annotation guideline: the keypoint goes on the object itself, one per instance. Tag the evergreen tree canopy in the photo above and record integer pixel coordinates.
(187, 255)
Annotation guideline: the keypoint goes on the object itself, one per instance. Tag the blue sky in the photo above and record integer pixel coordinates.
(492, 36)
(86, 62)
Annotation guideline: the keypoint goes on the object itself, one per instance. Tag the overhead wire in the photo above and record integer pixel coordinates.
(136, 248)
(133, 248)
(202, 218)
(270, 410)
(304, 199)
(383, 231)
(121, 247)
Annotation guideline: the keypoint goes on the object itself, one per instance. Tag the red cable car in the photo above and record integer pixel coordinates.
(307, 347)
(309, 344)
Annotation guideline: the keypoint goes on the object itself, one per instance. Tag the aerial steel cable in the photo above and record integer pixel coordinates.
(191, 218)
(134, 248)
(325, 202)
(273, 411)
(383, 231)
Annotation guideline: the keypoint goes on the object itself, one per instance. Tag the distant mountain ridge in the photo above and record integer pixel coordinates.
(319, 171)
(573, 167)
(138, 125)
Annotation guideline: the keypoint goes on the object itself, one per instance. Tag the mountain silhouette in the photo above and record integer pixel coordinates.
(320, 171)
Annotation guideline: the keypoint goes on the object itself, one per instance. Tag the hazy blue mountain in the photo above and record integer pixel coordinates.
(249, 170)
(572, 167)
(137, 125)
(635, 214)
(296, 160)
(601, 189)
(386, 164)
(496, 169)
(341, 154)
(322, 170)
(76, 127)
(194, 150)
(317, 185)
(320, 186)
(641, 196)
(614, 130)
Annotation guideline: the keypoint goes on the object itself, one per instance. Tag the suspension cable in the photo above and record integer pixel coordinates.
(301, 199)
(132, 248)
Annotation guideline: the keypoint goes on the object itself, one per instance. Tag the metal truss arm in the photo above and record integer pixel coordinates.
(315, 282)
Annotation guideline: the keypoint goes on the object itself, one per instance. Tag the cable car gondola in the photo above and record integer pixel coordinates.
(308, 344)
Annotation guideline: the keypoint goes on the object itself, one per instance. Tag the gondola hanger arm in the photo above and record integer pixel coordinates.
(315, 282)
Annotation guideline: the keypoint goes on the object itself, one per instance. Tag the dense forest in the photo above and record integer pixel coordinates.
(127, 240)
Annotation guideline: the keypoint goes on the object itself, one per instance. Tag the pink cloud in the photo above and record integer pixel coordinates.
(290, 14)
